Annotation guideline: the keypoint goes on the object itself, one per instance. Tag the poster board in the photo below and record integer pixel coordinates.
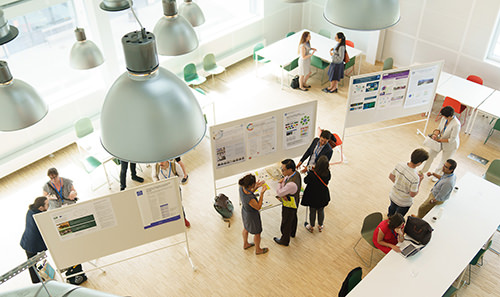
(257, 141)
(391, 94)
(103, 226)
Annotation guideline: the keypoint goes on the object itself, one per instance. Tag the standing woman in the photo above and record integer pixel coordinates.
(250, 214)
(336, 69)
(305, 54)
(449, 128)
(317, 194)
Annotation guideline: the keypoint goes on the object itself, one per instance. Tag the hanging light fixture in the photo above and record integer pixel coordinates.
(192, 12)
(175, 34)
(114, 5)
(149, 115)
(84, 53)
(7, 32)
(296, 1)
(364, 15)
(20, 104)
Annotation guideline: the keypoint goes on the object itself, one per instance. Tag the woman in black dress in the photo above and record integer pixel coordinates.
(317, 194)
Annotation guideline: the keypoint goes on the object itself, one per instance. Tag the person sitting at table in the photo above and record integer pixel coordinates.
(305, 54)
(59, 190)
(388, 233)
(336, 69)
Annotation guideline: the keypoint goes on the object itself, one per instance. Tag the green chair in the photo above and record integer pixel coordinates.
(211, 67)
(457, 284)
(351, 281)
(201, 91)
(349, 67)
(493, 172)
(326, 33)
(369, 225)
(258, 59)
(320, 64)
(495, 127)
(83, 127)
(388, 64)
(290, 67)
(191, 76)
(289, 34)
(478, 258)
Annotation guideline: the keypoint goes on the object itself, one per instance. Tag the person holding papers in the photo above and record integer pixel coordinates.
(388, 233)
(288, 193)
(305, 54)
(59, 190)
(319, 147)
(250, 214)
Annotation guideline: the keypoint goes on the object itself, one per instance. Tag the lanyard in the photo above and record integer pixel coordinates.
(442, 177)
(169, 171)
(59, 191)
(446, 125)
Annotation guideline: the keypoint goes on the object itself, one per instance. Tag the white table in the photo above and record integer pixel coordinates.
(467, 92)
(490, 106)
(284, 51)
(469, 218)
(444, 77)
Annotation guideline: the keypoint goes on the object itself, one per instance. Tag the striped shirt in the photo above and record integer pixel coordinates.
(406, 181)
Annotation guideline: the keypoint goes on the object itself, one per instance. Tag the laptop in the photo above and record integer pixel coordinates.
(409, 248)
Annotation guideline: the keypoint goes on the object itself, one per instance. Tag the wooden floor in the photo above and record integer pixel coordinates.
(314, 264)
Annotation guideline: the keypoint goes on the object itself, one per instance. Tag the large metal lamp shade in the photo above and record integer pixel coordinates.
(20, 104)
(114, 5)
(149, 115)
(364, 15)
(175, 34)
(192, 12)
(296, 1)
(84, 53)
(7, 32)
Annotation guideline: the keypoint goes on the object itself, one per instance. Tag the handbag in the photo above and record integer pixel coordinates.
(432, 144)
(419, 230)
(346, 57)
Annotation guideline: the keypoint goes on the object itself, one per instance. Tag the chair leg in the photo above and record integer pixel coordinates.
(362, 260)
(489, 134)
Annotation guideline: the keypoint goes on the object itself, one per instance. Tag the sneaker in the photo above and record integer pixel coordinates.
(137, 178)
(186, 223)
(185, 179)
(320, 228)
(310, 228)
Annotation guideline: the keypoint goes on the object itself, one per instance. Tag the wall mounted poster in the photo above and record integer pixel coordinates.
(421, 86)
(364, 93)
(261, 137)
(159, 203)
(229, 145)
(393, 89)
(297, 128)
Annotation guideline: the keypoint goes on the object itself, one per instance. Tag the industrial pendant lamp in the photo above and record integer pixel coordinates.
(175, 34)
(20, 104)
(114, 5)
(149, 115)
(84, 53)
(7, 32)
(364, 15)
(192, 12)
(296, 1)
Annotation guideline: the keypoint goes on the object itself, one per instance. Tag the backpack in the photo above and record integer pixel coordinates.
(295, 82)
(418, 229)
(223, 206)
(77, 279)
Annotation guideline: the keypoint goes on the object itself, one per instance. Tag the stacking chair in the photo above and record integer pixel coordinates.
(493, 172)
(388, 64)
(349, 67)
(349, 43)
(211, 67)
(457, 106)
(289, 34)
(320, 64)
(457, 284)
(478, 258)
(326, 33)
(475, 78)
(257, 58)
(369, 225)
(290, 67)
(351, 280)
(191, 77)
(495, 127)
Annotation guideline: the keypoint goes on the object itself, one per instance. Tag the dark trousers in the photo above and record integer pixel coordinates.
(123, 173)
(312, 215)
(393, 208)
(34, 276)
(288, 224)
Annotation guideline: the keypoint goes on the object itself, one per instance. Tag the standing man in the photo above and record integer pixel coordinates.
(318, 148)
(442, 189)
(288, 192)
(32, 241)
(406, 182)
(123, 174)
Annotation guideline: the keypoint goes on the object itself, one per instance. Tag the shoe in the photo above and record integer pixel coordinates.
(277, 240)
(137, 178)
(307, 87)
(334, 91)
(264, 250)
(122, 188)
(325, 90)
(304, 90)
(186, 223)
(320, 228)
(185, 179)
(311, 228)
(292, 236)
(251, 244)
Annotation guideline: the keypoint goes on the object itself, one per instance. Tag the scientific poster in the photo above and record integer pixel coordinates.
(364, 93)
(261, 136)
(84, 219)
(421, 86)
(229, 145)
(159, 204)
(297, 128)
(393, 89)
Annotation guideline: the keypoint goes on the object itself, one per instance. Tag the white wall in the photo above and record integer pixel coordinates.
(456, 31)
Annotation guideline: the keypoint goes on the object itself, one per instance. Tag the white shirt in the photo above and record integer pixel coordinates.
(406, 181)
(164, 174)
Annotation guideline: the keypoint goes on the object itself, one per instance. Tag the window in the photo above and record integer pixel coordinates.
(494, 51)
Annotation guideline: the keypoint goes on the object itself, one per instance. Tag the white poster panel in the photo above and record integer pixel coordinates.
(393, 89)
(261, 137)
(297, 128)
(229, 145)
(422, 86)
(159, 204)
(363, 93)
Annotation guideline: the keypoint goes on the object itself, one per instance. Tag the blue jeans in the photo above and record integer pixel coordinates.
(393, 208)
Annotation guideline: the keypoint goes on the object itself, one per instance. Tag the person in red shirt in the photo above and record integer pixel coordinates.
(388, 233)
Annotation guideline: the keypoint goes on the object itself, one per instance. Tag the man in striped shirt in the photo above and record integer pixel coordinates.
(406, 181)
